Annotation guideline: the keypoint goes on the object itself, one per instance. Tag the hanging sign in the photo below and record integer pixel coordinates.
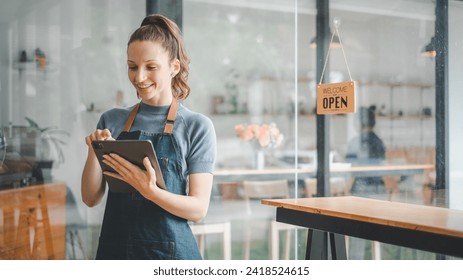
(338, 98)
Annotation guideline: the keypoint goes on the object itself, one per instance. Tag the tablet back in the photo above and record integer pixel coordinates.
(132, 150)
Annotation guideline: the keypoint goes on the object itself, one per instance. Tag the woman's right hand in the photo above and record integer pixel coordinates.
(93, 184)
(99, 134)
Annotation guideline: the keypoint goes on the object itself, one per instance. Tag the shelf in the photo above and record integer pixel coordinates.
(333, 115)
(314, 115)
(29, 65)
(32, 66)
(248, 115)
(385, 84)
(404, 116)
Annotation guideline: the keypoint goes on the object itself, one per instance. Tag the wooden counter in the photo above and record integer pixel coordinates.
(33, 221)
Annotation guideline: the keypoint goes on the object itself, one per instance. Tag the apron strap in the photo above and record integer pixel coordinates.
(129, 122)
(168, 128)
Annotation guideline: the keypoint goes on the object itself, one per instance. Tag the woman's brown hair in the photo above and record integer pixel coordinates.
(158, 28)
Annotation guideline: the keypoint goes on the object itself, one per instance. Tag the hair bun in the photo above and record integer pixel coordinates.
(154, 19)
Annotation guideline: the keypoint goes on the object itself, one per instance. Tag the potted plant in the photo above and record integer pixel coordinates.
(49, 144)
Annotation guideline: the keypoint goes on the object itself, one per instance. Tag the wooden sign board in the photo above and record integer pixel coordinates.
(338, 98)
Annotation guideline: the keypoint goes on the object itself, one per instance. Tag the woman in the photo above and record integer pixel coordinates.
(152, 223)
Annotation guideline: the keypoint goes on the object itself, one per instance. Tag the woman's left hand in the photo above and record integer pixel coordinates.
(144, 181)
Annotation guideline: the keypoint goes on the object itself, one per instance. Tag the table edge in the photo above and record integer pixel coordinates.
(363, 218)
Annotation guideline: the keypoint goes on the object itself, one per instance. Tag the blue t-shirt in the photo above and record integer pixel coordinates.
(193, 131)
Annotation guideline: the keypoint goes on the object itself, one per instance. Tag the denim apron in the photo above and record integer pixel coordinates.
(136, 228)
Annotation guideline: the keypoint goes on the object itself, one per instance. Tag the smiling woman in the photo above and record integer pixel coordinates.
(169, 57)
(152, 223)
(151, 72)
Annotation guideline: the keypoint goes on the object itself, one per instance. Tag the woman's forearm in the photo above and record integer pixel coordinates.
(192, 207)
(92, 183)
(187, 207)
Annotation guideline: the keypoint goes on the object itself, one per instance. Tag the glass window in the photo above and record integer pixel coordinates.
(394, 123)
(253, 72)
(243, 76)
(63, 64)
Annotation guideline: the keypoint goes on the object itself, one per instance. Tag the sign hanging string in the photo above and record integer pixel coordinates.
(336, 22)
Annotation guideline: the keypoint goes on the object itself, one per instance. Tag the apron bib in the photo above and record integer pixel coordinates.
(136, 228)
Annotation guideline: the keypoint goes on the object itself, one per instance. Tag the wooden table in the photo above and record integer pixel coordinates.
(433, 229)
(235, 175)
(33, 222)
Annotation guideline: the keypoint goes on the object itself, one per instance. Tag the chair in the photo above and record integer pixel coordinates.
(391, 183)
(310, 187)
(200, 230)
(263, 190)
(338, 186)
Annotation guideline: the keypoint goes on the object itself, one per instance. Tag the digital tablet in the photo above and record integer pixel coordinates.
(132, 150)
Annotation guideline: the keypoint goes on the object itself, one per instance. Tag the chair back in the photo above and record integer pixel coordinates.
(264, 189)
(338, 186)
(310, 186)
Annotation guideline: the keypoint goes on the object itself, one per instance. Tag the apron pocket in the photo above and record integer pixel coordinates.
(150, 250)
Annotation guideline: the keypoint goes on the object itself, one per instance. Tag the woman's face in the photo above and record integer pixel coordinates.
(151, 72)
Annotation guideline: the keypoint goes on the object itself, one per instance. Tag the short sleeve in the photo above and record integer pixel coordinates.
(203, 146)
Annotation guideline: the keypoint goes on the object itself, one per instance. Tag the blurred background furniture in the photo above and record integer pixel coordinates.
(75, 224)
(262, 190)
(338, 186)
(33, 224)
(200, 230)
